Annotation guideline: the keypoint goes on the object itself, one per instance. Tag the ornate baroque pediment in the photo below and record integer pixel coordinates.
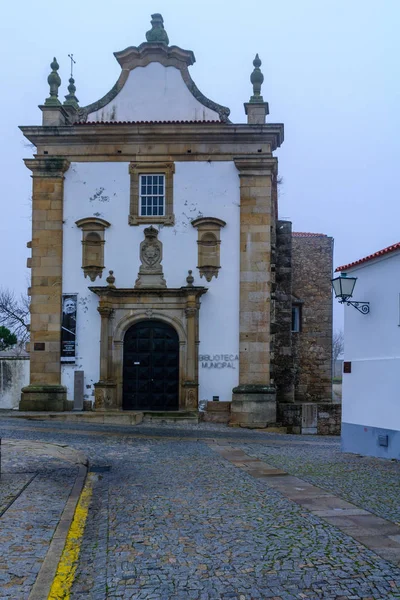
(156, 50)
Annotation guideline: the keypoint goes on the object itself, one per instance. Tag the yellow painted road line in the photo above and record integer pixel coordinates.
(65, 575)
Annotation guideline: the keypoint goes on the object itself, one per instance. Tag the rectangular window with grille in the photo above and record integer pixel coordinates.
(152, 195)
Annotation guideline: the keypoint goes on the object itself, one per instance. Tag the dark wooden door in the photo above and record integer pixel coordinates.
(151, 367)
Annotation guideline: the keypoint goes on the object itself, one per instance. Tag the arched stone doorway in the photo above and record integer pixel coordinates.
(151, 367)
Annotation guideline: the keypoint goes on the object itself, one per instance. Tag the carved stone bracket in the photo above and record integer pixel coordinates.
(105, 311)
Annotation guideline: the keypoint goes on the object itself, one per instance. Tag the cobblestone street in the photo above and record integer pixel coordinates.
(175, 519)
(36, 481)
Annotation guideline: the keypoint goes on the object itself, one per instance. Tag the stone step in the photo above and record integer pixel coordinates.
(117, 417)
(272, 428)
(172, 416)
(221, 406)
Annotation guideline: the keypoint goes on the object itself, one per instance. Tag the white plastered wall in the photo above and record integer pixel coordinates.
(14, 375)
(200, 189)
(371, 392)
(154, 93)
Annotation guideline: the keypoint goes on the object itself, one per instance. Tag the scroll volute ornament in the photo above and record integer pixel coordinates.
(208, 242)
(93, 239)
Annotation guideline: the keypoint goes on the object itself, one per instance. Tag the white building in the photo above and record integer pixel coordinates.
(371, 377)
(154, 225)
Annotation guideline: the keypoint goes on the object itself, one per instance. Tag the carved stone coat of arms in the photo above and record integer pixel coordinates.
(150, 271)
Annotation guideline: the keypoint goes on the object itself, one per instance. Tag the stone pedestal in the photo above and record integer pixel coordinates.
(253, 405)
(105, 396)
(52, 398)
(256, 112)
(217, 412)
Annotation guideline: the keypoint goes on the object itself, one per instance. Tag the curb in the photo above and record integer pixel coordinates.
(44, 580)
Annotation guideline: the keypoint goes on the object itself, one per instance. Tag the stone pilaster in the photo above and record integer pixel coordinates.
(105, 314)
(105, 389)
(253, 400)
(190, 384)
(45, 391)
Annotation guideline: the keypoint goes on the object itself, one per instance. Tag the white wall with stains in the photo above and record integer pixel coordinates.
(14, 375)
(200, 189)
(154, 93)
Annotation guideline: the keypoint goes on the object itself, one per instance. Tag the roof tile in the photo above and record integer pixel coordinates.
(304, 234)
(377, 254)
(145, 122)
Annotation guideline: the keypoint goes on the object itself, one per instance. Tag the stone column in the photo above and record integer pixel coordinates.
(105, 389)
(254, 400)
(191, 384)
(45, 391)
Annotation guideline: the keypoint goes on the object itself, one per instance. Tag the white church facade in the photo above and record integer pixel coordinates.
(154, 244)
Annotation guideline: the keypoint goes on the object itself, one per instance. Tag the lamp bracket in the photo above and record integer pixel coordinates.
(362, 307)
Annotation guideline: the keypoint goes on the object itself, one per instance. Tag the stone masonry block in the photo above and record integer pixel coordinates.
(54, 215)
(53, 224)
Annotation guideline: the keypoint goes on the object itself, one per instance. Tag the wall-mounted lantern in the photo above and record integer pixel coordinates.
(343, 287)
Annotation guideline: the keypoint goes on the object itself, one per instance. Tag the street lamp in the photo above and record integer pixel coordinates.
(343, 287)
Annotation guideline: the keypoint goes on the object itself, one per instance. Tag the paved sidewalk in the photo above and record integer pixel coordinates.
(35, 483)
(205, 513)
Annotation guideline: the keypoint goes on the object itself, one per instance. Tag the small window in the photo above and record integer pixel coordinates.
(296, 318)
(152, 195)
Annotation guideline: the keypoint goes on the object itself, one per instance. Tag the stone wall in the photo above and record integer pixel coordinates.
(283, 358)
(322, 418)
(312, 261)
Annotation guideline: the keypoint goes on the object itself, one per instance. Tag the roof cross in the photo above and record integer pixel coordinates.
(73, 62)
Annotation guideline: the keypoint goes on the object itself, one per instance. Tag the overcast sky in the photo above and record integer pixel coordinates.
(332, 77)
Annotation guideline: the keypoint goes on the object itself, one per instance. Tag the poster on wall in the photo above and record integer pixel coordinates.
(68, 327)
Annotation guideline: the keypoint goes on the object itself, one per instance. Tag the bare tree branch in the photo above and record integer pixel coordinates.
(337, 344)
(14, 314)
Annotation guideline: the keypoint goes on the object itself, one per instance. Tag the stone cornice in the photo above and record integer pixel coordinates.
(250, 166)
(207, 221)
(134, 56)
(130, 293)
(92, 221)
(118, 134)
(53, 166)
(141, 56)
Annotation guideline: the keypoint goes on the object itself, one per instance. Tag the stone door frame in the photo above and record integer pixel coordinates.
(125, 323)
(152, 323)
(122, 308)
